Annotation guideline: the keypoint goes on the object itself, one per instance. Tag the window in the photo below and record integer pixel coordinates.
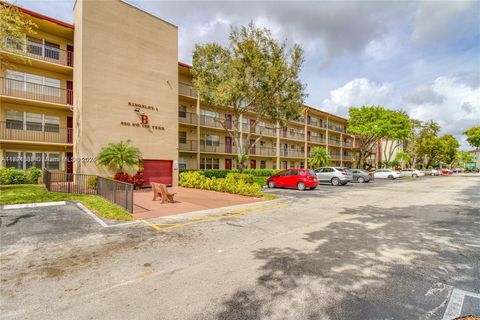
(182, 137)
(209, 163)
(52, 161)
(182, 111)
(26, 159)
(33, 83)
(182, 164)
(14, 119)
(52, 50)
(14, 160)
(34, 121)
(51, 123)
(35, 46)
(210, 140)
(263, 164)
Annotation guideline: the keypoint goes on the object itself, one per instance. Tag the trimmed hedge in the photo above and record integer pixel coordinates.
(235, 183)
(218, 173)
(18, 176)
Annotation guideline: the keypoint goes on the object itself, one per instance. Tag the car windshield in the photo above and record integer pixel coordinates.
(310, 173)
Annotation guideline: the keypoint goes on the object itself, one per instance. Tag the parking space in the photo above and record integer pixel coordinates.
(48, 225)
(327, 188)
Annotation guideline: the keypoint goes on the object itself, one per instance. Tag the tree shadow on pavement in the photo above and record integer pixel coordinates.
(395, 263)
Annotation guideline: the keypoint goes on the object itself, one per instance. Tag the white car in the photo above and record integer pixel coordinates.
(386, 174)
(412, 173)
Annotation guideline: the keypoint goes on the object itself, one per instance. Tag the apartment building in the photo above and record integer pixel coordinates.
(114, 75)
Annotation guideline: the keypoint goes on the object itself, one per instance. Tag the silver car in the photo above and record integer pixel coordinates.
(335, 175)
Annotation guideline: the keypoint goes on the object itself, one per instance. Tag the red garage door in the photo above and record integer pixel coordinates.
(157, 171)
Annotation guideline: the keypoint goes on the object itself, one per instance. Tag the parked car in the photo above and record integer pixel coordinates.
(445, 172)
(430, 172)
(412, 173)
(362, 176)
(300, 179)
(335, 175)
(457, 170)
(386, 174)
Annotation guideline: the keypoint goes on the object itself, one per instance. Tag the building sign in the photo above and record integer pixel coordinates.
(141, 125)
(142, 106)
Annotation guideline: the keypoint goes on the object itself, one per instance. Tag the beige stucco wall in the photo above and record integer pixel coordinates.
(124, 55)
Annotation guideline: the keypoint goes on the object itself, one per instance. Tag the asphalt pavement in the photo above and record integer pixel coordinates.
(388, 250)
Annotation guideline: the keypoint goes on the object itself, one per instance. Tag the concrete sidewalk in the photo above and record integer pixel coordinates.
(186, 200)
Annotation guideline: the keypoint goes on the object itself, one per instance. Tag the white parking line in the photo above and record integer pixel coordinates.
(100, 221)
(454, 307)
(33, 205)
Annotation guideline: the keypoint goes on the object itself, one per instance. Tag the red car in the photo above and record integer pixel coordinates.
(300, 179)
(445, 171)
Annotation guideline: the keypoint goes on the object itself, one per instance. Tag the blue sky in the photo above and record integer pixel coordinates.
(421, 57)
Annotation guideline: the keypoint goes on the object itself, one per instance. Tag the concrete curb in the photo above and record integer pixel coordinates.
(102, 222)
(33, 205)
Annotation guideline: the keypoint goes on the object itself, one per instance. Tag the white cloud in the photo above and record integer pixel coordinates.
(458, 109)
(358, 92)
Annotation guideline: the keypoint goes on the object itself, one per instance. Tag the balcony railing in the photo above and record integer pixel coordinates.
(336, 127)
(188, 145)
(187, 117)
(33, 91)
(40, 51)
(187, 90)
(292, 135)
(347, 144)
(347, 157)
(335, 156)
(316, 139)
(263, 151)
(216, 148)
(292, 153)
(264, 131)
(334, 142)
(17, 132)
(210, 121)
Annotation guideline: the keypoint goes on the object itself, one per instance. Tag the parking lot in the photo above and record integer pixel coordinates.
(404, 249)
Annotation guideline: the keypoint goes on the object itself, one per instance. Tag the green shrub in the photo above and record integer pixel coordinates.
(261, 172)
(232, 183)
(220, 173)
(32, 175)
(92, 183)
(12, 176)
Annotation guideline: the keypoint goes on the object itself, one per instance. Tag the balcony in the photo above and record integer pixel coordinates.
(334, 142)
(316, 123)
(187, 117)
(293, 135)
(262, 131)
(262, 151)
(316, 139)
(15, 132)
(216, 148)
(213, 122)
(347, 144)
(187, 90)
(40, 51)
(347, 157)
(187, 145)
(292, 153)
(33, 91)
(335, 127)
(335, 156)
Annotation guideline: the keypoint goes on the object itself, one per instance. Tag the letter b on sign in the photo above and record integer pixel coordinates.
(144, 119)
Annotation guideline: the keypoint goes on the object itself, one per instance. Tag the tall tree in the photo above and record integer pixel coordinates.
(448, 146)
(473, 136)
(14, 26)
(319, 157)
(254, 74)
(374, 124)
(118, 156)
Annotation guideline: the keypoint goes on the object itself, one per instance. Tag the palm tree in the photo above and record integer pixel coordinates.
(319, 157)
(117, 156)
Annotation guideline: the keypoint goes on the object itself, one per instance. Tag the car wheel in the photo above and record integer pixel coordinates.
(361, 180)
(301, 186)
(271, 184)
(335, 181)
(415, 175)
(390, 177)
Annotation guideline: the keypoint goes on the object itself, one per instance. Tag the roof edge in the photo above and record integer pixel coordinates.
(41, 16)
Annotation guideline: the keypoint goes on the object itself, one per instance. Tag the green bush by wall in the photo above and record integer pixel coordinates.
(236, 183)
(218, 173)
(18, 176)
